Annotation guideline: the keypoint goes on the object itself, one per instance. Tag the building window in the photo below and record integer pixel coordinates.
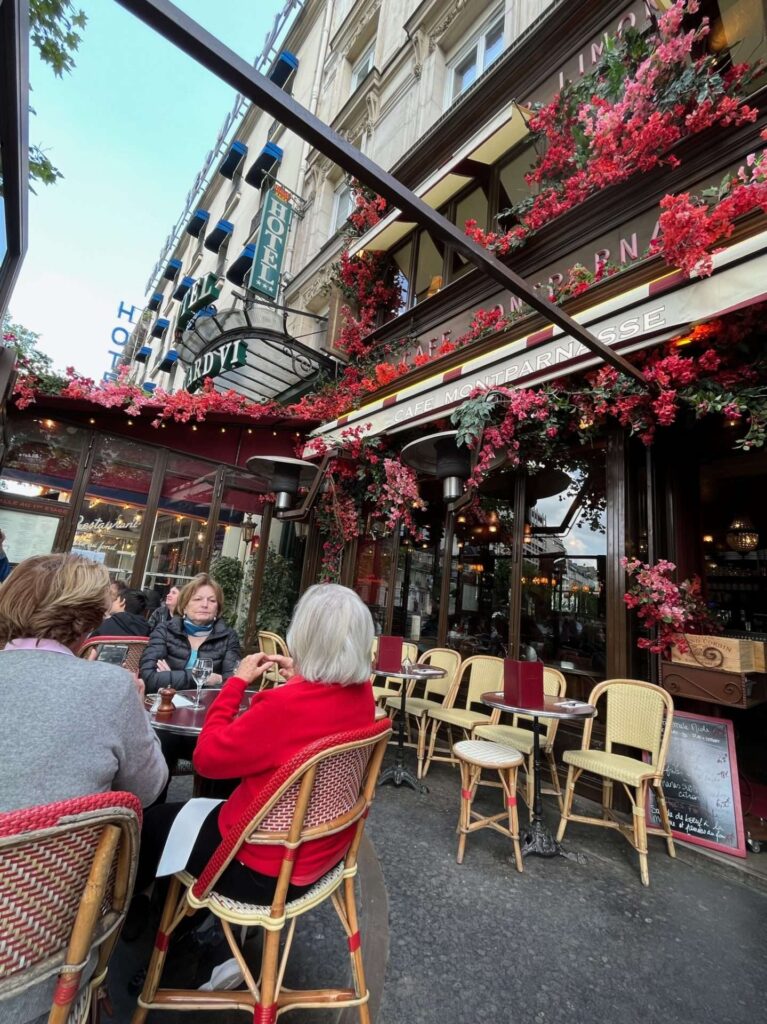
(342, 207)
(474, 58)
(362, 66)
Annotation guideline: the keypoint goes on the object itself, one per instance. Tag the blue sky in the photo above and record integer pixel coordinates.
(129, 128)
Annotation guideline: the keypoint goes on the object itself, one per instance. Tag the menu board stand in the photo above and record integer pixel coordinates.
(701, 785)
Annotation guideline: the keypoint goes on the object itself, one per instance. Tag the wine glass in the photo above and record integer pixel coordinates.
(201, 671)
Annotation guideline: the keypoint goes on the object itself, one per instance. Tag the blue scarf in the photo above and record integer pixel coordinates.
(192, 629)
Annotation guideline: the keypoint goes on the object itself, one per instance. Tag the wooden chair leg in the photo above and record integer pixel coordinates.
(607, 798)
(640, 831)
(569, 793)
(266, 1011)
(468, 785)
(355, 948)
(509, 782)
(170, 915)
(421, 748)
(554, 777)
(530, 784)
(432, 742)
(660, 799)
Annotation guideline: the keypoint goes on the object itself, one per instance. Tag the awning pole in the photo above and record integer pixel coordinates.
(185, 33)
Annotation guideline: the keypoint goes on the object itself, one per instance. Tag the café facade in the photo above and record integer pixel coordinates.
(534, 568)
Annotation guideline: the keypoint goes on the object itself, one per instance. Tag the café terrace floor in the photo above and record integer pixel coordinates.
(567, 941)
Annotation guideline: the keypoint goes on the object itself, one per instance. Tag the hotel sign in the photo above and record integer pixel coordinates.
(227, 356)
(203, 293)
(271, 242)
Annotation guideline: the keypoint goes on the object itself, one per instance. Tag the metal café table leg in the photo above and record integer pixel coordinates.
(398, 773)
(538, 839)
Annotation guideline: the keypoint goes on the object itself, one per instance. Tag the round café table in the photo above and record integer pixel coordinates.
(398, 773)
(187, 721)
(538, 839)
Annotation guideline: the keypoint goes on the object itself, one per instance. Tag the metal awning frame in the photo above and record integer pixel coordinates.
(186, 34)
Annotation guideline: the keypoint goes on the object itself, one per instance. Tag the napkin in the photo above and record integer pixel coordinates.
(179, 701)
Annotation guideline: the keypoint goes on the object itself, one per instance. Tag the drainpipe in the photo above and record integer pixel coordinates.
(313, 101)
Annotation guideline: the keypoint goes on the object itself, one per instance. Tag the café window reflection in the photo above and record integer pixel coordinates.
(42, 459)
(563, 606)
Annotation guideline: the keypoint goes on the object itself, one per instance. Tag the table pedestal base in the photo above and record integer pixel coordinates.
(399, 775)
(538, 841)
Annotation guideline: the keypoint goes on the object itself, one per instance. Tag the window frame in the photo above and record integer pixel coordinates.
(338, 191)
(477, 40)
(356, 80)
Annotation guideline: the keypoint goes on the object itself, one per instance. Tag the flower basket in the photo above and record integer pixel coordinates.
(722, 653)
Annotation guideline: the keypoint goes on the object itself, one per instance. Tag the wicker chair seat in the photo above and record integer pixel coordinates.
(253, 914)
(512, 735)
(458, 716)
(617, 767)
(416, 706)
(485, 754)
(381, 692)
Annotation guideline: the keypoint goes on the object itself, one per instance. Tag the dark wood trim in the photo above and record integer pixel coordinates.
(66, 535)
(517, 559)
(445, 581)
(349, 563)
(616, 624)
(14, 139)
(311, 557)
(213, 513)
(150, 515)
(249, 641)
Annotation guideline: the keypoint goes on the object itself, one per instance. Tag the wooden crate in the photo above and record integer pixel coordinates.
(729, 689)
(722, 654)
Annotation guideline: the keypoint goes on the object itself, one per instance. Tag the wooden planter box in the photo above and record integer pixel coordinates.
(722, 654)
(714, 686)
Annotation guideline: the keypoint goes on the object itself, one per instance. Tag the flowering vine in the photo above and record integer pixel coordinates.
(666, 609)
(649, 91)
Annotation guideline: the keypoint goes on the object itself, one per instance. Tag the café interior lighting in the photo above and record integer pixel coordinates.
(741, 536)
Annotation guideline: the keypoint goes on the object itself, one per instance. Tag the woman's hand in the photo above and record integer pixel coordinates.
(214, 679)
(283, 663)
(252, 667)
(163, 666)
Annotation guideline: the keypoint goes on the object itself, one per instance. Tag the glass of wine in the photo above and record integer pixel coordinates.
(201, 671)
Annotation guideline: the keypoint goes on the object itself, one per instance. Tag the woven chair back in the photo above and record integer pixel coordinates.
(98, 647)
(450, 661)
(51, 861)
(480, 673)
(271, 643)
(325, 788)
(554, 685)
(636, 712)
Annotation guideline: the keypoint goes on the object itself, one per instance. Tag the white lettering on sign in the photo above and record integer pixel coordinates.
(119, 337)
(227, 356)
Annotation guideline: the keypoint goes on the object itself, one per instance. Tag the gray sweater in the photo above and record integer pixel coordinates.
(71, 727)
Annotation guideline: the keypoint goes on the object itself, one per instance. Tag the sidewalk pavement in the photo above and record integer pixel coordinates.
(569, 940)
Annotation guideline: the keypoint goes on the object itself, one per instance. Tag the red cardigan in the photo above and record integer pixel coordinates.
(278, 723)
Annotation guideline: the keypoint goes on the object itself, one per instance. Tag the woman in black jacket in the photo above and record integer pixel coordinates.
(196, 630)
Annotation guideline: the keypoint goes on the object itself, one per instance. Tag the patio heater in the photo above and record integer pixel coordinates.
(438, 455)
(282, 475)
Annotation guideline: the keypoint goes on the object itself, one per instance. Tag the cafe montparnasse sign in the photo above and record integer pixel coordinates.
(226, 356)
(271, 241)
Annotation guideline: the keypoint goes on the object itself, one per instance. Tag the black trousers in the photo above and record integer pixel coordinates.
(238, 882)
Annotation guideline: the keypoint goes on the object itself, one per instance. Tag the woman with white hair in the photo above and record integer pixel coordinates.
(327, 691)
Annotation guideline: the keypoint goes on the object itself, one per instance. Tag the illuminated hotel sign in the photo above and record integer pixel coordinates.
(270, 244)
(202, 294)
(227, 356)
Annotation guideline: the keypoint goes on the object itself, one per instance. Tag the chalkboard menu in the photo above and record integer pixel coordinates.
(701, 785)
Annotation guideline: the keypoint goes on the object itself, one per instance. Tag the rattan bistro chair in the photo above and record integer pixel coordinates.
(479, 673)
(66, 876)
(325, 788)
(436, 693)
(97, 648)
(271, 643)
(391, 687)
(515, 735)
(639, 715)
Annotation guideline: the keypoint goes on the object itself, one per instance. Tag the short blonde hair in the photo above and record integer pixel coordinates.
(53, 597)
(331, 635)
(202, 579)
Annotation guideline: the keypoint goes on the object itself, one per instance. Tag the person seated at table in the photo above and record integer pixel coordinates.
(327, 691)
(166, 610)
(72, 726)
(130, 621)
(197, 630)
